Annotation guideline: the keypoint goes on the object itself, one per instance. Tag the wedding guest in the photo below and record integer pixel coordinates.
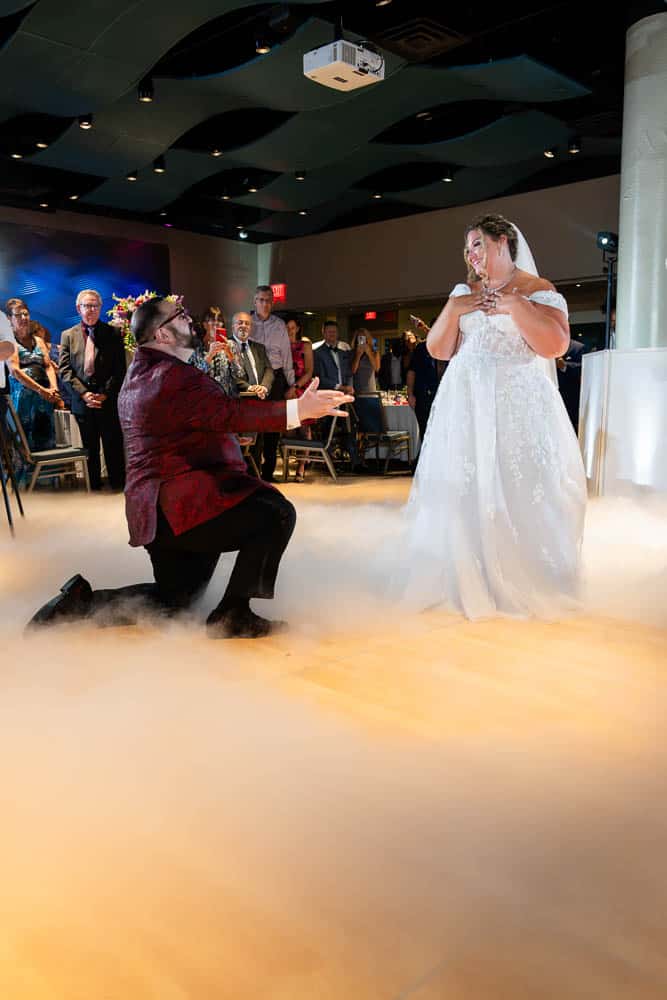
(7, 345)
(271, 331)
(302, 359)
(92, 362)
(365, 361)
(333, 367)
(423, 379)
(408, 345)
(568, 369)
(390, 375)
(256, 374)
(33, 383)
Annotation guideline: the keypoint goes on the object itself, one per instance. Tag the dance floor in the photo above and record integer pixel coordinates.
(375, 806)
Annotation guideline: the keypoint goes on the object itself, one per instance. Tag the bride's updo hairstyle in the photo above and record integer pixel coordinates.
(492, 227)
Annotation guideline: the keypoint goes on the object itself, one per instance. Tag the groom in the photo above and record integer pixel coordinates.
(188, 497)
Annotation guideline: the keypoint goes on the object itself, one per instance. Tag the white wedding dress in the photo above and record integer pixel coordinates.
(495, 516)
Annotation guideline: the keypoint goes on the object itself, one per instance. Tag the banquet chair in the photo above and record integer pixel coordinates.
(247, 442)
(374, 432)
(310, 451)
(50, 464)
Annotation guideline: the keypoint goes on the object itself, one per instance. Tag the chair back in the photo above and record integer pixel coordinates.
(368, 407)
(330, 435)
(17, 432)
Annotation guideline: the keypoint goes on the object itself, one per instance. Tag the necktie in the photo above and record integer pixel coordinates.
(89, 354)
(244, 346)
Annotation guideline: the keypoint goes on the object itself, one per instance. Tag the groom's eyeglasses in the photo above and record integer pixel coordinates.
(181, 311)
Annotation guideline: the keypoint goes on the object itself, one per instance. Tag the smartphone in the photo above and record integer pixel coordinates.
(375, 343)
(220, 334)
(361, 339)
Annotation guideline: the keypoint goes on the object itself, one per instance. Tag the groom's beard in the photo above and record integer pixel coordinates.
(185, 340)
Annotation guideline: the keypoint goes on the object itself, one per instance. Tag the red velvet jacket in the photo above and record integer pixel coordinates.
(180, 450)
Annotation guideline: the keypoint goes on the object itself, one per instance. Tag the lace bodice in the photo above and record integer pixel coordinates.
(498, 336)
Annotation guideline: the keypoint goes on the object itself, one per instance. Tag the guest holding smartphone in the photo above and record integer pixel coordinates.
(365, 361)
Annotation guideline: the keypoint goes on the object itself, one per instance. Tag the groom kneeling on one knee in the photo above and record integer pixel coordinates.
(188, 497)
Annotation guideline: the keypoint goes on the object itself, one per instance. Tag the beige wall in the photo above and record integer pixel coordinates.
(205, 269)
(420, 256)
(411, 258)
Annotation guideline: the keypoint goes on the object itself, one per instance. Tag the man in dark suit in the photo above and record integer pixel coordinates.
(92, 363)
(333, 368)
(423, 379)
(258, 373)
(188, 496)
(568, 368)
(257, 369)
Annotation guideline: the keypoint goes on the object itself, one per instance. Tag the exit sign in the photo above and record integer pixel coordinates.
(279, 292)
(371, 314)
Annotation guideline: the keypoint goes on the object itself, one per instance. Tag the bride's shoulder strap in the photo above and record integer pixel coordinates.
(460, 289)
(549, 297)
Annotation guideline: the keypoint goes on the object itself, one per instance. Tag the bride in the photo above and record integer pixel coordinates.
(496, 512)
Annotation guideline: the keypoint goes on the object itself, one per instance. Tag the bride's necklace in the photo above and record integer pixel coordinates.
(498, 288)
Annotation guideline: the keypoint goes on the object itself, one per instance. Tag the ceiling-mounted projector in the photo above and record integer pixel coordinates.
(343, 65)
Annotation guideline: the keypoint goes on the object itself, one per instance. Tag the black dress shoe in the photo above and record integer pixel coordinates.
(244, 624)
(74, 601)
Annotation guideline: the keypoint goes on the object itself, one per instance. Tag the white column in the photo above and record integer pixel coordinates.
(641, 319)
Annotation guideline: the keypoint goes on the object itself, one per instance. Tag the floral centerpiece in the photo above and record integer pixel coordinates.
(121, 314)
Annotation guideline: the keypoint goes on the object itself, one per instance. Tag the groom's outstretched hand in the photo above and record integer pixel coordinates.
(321, 403)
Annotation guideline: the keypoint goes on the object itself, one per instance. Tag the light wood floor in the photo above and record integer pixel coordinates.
(372, 808)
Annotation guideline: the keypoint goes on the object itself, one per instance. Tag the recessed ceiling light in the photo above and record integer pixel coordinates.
(550, 153)
(216, 152)
(382, 3)
(85, 122)
(578, 285)
(424, 115)
(252, 190)
(447, 177)
(163, 212)
(307, 312)
(262, 46)
(574, 146)
(299, 175)
(43, 204)
(239, 227)
(159, 165)
(132, 176)
(145, 90)
(17, 156)
(42, 145)
(168, 225)
(243, 235)
(74, 197)
(377, 195)
(225, 197)
(303, 212)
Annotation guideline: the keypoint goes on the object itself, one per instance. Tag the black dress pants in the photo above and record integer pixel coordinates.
(258, 528)
(103, 425)
(278, 390)
(423, 404)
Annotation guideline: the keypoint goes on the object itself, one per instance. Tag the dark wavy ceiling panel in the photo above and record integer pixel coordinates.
(232, 129)
(446, 121)
(498, 87)
(230, 40)
(27, 134)
(403, 177)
